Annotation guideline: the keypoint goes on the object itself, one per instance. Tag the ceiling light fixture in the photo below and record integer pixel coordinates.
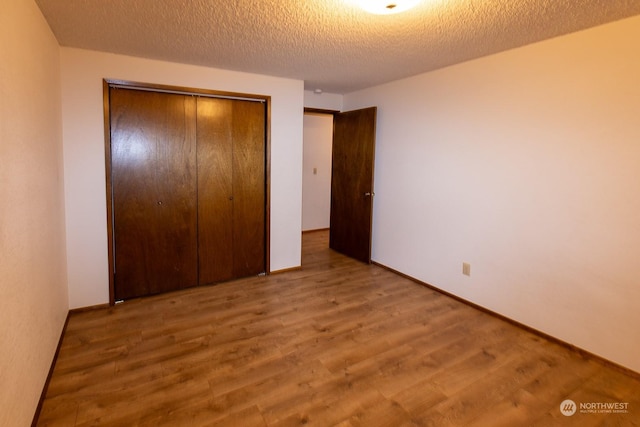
(387, 7)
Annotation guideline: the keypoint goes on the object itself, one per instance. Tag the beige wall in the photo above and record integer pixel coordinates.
(33, 290)
(82, 108)
(323, 101)
(526, 164)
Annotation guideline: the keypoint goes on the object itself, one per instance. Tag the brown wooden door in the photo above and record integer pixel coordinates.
(352, 183)
(231, 189)
(249, 188)
(153, 176)
(215, 190)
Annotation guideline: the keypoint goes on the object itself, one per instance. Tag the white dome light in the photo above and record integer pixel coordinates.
(387, 7)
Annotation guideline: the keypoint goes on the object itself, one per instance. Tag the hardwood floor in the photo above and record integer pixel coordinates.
(334, 343)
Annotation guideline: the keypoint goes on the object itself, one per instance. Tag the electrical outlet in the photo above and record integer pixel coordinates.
(466, 269)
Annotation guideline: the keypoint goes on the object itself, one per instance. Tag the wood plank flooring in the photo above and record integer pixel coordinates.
(337, 343)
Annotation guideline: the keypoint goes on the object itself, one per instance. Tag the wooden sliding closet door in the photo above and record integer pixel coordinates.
(231, 188)
(154, 193)
(249, 188)
(215, 190)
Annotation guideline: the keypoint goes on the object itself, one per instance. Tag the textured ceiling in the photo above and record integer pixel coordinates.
(330, 44)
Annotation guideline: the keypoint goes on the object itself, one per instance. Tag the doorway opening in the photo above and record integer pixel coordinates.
(348, 190)
(316, 171)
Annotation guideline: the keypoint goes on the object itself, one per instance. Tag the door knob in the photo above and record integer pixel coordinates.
(369, 194)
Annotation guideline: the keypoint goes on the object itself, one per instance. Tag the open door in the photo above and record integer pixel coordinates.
(354, 136)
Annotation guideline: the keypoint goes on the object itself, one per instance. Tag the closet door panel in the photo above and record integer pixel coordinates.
(153, 173)
(215, 189)
(248, 188)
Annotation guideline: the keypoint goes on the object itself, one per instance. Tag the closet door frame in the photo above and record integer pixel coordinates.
(109, 83)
